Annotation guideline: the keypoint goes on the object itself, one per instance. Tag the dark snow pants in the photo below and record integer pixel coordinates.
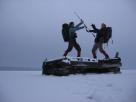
(72, 43)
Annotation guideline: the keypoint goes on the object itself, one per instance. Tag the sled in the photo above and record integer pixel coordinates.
(75, 65)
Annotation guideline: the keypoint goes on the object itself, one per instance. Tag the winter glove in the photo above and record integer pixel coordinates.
(93, 25)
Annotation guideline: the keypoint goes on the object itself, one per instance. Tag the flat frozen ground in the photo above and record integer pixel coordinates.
(31, 86)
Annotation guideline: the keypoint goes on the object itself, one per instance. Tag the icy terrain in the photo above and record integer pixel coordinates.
(31, 86)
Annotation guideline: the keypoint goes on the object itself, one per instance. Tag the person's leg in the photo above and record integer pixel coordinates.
(77, 47)
(78, 50)
(103, 51)
(70, 46)
(95, 46)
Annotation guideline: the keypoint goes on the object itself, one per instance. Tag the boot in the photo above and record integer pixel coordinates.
(94, 55)
(65, 54)
(105, 54)
(107, 57)
(78, 54)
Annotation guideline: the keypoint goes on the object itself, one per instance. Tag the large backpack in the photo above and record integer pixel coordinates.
(65, 32)
(108, 35)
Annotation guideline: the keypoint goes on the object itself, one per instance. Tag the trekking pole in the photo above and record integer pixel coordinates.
(93, 34)
(83, 22)
(80, 19)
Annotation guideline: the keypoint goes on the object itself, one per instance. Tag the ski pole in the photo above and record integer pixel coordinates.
(80, 19)
(93, 34)
(83, 22)
(77, 15)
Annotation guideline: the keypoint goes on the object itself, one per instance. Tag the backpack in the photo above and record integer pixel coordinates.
(108, 35)
(65, 32)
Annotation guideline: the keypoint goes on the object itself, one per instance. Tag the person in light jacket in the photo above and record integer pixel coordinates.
(72, 38)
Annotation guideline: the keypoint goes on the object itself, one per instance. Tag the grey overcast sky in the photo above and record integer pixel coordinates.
(30, 30)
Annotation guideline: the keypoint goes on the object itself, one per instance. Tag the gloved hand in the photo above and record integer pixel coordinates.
(93, 26)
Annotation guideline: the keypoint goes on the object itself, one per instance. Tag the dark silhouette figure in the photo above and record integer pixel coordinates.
(99, 40)
(72, 38)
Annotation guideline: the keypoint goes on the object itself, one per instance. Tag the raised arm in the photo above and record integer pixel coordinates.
(75, 29)
(78, 25)
(95, 30)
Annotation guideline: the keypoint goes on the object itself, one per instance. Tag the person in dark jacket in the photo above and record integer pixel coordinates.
(99, 40)
(72, 38)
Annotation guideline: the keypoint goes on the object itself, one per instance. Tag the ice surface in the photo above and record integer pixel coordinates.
(31, 86)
